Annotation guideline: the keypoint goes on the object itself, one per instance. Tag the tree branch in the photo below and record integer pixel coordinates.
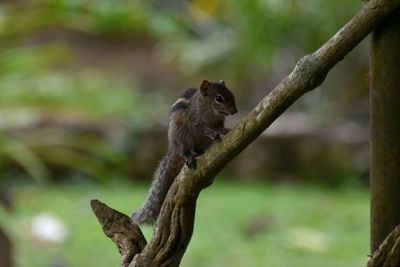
(126, 235)
(174, 226)
(388, 254)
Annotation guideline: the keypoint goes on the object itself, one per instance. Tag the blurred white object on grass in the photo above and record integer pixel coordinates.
(48, 228)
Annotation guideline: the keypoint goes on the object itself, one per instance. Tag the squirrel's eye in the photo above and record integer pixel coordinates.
(219, 98)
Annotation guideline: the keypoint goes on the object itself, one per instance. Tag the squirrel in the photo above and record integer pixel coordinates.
(196, 121)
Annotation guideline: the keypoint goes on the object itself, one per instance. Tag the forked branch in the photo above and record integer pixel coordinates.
(127, 236)
(174, 226)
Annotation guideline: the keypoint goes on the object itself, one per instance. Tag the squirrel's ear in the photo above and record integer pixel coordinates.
(222, 82)
(204, 87)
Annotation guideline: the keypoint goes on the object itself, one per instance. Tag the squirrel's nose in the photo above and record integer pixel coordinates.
(234, 111)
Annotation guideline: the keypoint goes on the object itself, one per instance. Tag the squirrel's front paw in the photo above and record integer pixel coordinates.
(224, 131)
(216, 137)
(192, 163)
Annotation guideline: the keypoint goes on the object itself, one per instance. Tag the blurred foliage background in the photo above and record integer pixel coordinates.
(86, 86)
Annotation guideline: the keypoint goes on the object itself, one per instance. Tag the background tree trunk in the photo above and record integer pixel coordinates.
(5, 242)
(385, 129)
(5, 250)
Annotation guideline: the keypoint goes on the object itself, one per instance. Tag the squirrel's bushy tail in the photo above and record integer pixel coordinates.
(167, 170)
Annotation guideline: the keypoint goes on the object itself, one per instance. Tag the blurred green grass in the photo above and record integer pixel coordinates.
(236, 225)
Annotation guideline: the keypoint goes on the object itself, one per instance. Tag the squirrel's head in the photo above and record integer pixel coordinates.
(221, 98)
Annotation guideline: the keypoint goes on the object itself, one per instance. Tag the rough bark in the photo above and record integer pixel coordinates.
(388, 254)
(174, 227)
(127, 236)
(385, 129)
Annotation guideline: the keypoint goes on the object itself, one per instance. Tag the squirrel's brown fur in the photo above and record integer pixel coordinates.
(196, 121)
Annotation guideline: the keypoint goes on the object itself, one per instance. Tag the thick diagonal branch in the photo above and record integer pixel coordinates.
(174, 226)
